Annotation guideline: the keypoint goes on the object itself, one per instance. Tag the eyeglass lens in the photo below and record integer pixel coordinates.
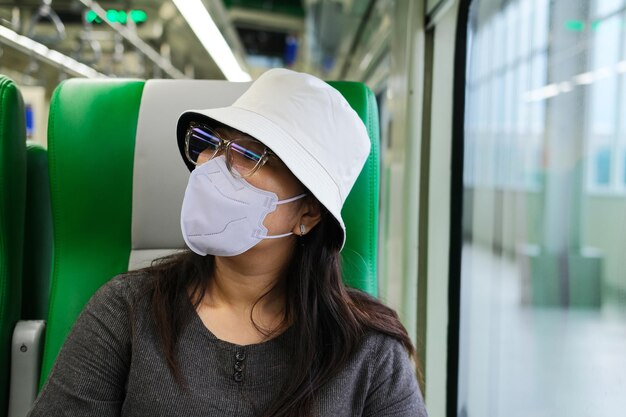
(201, 141)
(243, 155)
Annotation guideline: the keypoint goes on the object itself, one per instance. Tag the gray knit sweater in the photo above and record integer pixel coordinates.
(112, 367)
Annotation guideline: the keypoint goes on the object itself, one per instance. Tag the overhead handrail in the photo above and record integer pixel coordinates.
(118, 49)
(86, 41)
(45, 11)
(135, 40)
(112, 65)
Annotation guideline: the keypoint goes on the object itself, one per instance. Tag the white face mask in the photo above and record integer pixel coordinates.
(223, 215)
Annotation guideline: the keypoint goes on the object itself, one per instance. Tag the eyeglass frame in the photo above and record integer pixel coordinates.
(224, 145)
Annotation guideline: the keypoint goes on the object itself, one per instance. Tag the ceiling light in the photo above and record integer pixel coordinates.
(43, 53)
(200, 21)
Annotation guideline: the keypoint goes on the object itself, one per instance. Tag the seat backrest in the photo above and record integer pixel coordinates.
(12, 203)
(37, 235)
(360, 211)
(117, 185)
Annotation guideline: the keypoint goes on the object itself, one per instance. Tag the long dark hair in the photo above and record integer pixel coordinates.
(322, 310)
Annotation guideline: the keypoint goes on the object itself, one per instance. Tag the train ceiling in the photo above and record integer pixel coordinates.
(152, 39)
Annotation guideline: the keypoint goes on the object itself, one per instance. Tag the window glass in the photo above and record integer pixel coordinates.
(525, 9)
(543, 288)
(511, 18)
(604, 7)
(540, 24)
(623, 169)
(603, 166)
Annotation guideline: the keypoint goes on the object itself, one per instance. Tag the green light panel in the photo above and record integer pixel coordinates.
(118, 16)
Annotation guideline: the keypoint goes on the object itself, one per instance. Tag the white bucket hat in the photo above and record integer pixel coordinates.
(308, 124)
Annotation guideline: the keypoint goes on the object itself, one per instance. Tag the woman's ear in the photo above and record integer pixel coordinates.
(310, 216)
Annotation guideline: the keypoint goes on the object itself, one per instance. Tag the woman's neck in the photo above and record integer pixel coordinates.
(239, 285)
(240, 281)
(245, 301)
(245, 298)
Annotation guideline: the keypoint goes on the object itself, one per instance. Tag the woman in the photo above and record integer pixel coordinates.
(255, 319)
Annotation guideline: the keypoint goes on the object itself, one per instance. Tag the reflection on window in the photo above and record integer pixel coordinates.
(509, 60)
(507, 89)
(543, 288)
(603, 167)
(606, 80)
(604, 7)
(624, 170)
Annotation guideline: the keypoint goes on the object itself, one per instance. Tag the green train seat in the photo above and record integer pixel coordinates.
(12, 205)
(117, 184)
(37, 235)
(27, 345)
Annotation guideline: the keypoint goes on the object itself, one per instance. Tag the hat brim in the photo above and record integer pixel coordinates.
(300, 162)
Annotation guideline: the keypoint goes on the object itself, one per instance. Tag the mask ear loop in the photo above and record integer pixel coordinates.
(289, 200)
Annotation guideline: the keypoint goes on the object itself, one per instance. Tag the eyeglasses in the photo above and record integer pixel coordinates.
(244, 156)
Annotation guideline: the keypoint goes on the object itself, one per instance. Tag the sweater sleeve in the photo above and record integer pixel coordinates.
(393, 391)
(89, 376)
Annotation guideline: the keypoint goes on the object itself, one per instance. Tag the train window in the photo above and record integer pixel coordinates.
(543, 288)
(604, 7)
(603, 138)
